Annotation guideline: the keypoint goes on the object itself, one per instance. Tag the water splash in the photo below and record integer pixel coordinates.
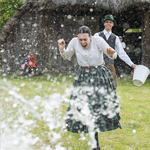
(21, 117)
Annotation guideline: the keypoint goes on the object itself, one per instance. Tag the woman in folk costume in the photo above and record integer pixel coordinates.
(93, 106)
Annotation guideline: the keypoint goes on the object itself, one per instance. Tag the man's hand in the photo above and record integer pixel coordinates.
(133, 66)
(61, 44)
(110, 52)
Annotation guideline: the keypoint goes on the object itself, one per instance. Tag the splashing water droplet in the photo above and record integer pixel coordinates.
(62, 25)
(14, 105)
(69, 16)
(134, 131)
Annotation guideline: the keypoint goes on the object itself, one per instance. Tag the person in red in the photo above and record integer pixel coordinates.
(31, 62)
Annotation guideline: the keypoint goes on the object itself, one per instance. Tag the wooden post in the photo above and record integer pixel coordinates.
(146, 40)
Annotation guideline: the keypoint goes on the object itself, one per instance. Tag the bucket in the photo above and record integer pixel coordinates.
(140, 75)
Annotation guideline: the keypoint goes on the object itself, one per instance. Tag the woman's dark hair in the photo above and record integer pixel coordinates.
(84, 29)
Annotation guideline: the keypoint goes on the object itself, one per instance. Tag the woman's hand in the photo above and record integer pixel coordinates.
(61, 45)
(110, 52)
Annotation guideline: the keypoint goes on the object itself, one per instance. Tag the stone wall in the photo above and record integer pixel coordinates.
(37, 33)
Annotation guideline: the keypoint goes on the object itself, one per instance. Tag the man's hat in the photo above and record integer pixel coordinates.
(109, 17)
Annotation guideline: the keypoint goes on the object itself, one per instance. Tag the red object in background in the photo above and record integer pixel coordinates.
(31, 62)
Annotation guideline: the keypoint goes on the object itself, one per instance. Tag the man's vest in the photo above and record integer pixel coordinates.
(111, 42)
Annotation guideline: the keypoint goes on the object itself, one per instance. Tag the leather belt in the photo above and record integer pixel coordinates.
(88, 67)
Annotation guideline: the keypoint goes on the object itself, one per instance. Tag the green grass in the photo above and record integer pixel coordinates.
(134, 103)
(40, 85)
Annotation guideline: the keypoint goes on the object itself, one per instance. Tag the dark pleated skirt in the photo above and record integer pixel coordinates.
(93, 103)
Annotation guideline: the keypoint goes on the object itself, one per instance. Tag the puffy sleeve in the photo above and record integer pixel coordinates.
(69, 51)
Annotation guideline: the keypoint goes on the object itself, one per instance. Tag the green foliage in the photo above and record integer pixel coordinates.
(8, 8)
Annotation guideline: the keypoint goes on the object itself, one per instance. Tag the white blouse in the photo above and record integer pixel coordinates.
(93, 56)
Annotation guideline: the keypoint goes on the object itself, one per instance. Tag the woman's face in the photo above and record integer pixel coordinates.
(84, 40)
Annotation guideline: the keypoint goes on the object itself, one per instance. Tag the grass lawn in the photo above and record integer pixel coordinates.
(27, 103)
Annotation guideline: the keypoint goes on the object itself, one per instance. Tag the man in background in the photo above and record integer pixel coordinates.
(114, 42)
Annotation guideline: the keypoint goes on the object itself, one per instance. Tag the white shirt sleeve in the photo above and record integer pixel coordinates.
(122, 54)
(69, 51)
(103, 46)
(123, 45)
(96, 34)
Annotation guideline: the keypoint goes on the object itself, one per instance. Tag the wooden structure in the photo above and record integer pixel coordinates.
(37, 25)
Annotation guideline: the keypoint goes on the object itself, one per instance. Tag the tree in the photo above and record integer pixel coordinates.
(8, 8)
